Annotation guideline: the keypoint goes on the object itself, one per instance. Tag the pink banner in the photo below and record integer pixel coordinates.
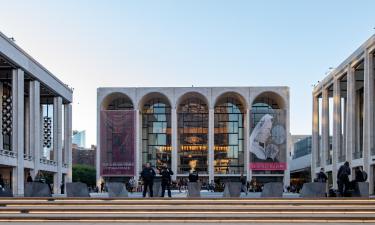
(117, 143)
(268, 166)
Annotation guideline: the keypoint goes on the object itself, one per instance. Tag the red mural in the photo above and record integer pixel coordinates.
(117, 143)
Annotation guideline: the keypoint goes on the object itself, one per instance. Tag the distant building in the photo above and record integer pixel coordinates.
(79, 138)
(300, 164)
(84, 156)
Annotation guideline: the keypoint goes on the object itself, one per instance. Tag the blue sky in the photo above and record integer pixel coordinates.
(89, 44)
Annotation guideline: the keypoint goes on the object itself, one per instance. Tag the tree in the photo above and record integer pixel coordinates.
(85, 174)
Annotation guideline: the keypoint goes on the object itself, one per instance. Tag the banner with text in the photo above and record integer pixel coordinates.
(117, 143)
(268, 141)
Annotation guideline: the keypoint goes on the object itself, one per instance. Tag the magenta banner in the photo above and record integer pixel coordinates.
(269, 166)
(117, 143)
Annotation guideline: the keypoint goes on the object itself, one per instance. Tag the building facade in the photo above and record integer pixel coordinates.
(79, 138)
(222, 132)
(84, 156)
(343, 110)
(36, 120)
(300, 164)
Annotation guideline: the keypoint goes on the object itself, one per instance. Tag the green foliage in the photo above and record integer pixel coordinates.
(85, 174)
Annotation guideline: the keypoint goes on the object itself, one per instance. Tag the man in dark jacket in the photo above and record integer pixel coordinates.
(148, 175)
(343, 179)
(322, 177)
(166, 180)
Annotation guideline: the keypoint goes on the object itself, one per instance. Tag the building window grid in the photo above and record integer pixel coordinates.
(229, 122)
(193, 135)
(156, 133)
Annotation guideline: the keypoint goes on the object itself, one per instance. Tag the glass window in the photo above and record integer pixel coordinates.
(156, 132)
(228, 150)
(192, 136)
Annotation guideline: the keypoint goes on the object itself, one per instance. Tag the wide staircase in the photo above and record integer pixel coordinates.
(175, 211)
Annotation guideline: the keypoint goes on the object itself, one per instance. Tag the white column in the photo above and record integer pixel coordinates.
(315, 136)
(35, 128)
(68, 139)
(368, 117)
(138, 144)
(350, 115)
(27, 121)
(57, 142)
(211, 143)
(98, 147)
(325, 128)
(174, 142)
(336, 139)
(1, 114)
(17, 130)
(247, 144)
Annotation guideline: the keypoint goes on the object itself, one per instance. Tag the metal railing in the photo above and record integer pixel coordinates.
(27, 157)
(48, 162)
(8, 153)
(66, 165)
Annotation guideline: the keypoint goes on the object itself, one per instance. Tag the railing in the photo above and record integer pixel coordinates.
(65, 165)
(8, 153)
(48, 162)
(27, 157)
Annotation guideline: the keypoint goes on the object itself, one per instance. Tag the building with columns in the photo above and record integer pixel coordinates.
(343, 116)
(36, 120)
(222, 132)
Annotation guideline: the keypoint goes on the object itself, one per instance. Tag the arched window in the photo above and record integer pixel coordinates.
(229, 136)
(156, 132)
(192, 135)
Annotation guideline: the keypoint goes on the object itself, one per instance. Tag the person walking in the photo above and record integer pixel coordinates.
(148, 174)
(166, 180)
(343, 179)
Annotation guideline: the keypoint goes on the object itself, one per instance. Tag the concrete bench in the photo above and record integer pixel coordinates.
(232, 190)
(314, 190)
(194, 190)
(37, 189)
(77, 189)
(117, 190)
(272, 190)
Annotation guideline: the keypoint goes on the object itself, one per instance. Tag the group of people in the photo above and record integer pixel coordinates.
(343, 182)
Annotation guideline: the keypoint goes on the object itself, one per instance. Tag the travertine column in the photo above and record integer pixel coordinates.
(211, 143)
(336, 139)
(246, 144)
(57, 142)
(1, 114)
(325, 128)
(17, 130)
(35, 122)
(68, 139)
(138, 144)
(174, 142)
(368, 117)
(350, 115)
(315, 136)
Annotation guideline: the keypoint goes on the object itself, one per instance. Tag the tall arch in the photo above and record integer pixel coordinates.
(117, 101)
(229, 113)
(156, 130)
(192, 123)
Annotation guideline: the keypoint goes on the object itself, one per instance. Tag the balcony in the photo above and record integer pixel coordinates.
(357, 155)
(48, 162)
(27, 157)
(8, 153)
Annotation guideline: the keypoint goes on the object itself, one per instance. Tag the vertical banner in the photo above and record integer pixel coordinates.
(268, 141)
(117, 143)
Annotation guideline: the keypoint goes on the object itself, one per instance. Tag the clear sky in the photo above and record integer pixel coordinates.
(89, 44)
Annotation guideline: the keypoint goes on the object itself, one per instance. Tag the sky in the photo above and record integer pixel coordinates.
(89, 44)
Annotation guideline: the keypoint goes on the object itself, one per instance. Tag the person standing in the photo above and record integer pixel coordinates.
(29, 178)
(193, 176)
(322, 177)
(148, 174)
(360, 176)
(343, 179)
(166, 180)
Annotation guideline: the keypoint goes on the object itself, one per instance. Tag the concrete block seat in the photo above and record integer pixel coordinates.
(272, 190)
(77, 189)
(232, 190)
(313, 190)
(37, 189)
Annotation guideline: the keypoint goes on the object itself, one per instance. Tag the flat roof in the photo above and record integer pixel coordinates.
(18, 57)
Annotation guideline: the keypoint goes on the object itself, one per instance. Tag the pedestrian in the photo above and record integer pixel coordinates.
(102, 185)
(193, 176)
(29, 178)
(322, 177)
(166, 180)
(343, 179)
(360, 175)
(148, 174)
(211, 186)
(132, 184)
(2, 184)
(243, 183)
